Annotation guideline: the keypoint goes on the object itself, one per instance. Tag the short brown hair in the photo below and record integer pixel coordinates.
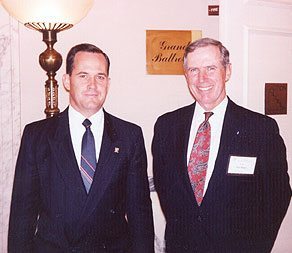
(84, 47)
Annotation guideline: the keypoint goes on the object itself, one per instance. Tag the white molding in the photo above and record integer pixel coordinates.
(270, 30)
(271, 3)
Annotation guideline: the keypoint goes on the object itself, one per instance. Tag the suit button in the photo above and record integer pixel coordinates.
(199, 218)
(185, 247)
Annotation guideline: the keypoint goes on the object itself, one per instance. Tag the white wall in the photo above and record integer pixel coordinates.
(118, 27)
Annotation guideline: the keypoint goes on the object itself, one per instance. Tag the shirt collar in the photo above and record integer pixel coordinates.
(78, 118)
(218, 110)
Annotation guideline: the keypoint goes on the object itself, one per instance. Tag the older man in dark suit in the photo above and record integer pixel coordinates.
(221, 177)
(93, 197)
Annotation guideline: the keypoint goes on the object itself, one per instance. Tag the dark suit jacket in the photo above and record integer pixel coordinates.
(238, 213)
(50, 209)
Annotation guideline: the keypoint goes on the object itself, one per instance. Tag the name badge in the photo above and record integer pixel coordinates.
(241, 165)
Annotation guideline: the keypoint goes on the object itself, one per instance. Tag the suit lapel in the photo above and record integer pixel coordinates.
(106, 167)
(184, 126)
(61, 145)
(229, 140)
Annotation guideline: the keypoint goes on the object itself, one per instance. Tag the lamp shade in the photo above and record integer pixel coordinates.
(48, 11)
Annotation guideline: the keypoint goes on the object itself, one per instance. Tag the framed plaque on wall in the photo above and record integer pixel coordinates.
(165, 50)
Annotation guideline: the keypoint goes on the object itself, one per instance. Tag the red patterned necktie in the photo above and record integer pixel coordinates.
(197, 167)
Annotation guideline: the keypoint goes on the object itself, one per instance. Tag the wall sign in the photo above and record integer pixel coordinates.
(165, 50)
(213, 10)
(275, 98)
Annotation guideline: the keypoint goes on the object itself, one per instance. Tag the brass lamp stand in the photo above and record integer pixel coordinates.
(49, 17)
(50, 60)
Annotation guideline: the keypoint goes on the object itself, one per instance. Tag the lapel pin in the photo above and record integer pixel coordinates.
(117, 150)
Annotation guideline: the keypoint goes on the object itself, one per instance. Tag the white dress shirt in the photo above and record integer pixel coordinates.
(216, 123)
(77, 130)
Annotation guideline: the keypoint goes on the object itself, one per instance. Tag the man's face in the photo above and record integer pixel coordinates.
(206, 76)
(88, 84)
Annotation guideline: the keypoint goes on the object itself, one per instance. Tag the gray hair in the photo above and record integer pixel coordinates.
(204, 42)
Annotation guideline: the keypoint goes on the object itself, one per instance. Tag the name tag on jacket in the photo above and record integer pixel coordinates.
(241, 165)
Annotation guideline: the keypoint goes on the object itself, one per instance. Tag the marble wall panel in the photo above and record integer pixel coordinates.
(9, 116)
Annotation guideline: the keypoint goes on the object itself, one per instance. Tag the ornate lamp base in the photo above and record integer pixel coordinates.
(50, 60)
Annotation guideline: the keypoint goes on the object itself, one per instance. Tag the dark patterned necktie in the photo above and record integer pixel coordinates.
(198, 164)
(88, 156)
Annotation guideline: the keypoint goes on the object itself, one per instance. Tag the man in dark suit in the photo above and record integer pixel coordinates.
(225, 188)
(57, 204)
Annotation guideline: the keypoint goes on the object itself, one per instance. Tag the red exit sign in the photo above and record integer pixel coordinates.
(213, 10)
